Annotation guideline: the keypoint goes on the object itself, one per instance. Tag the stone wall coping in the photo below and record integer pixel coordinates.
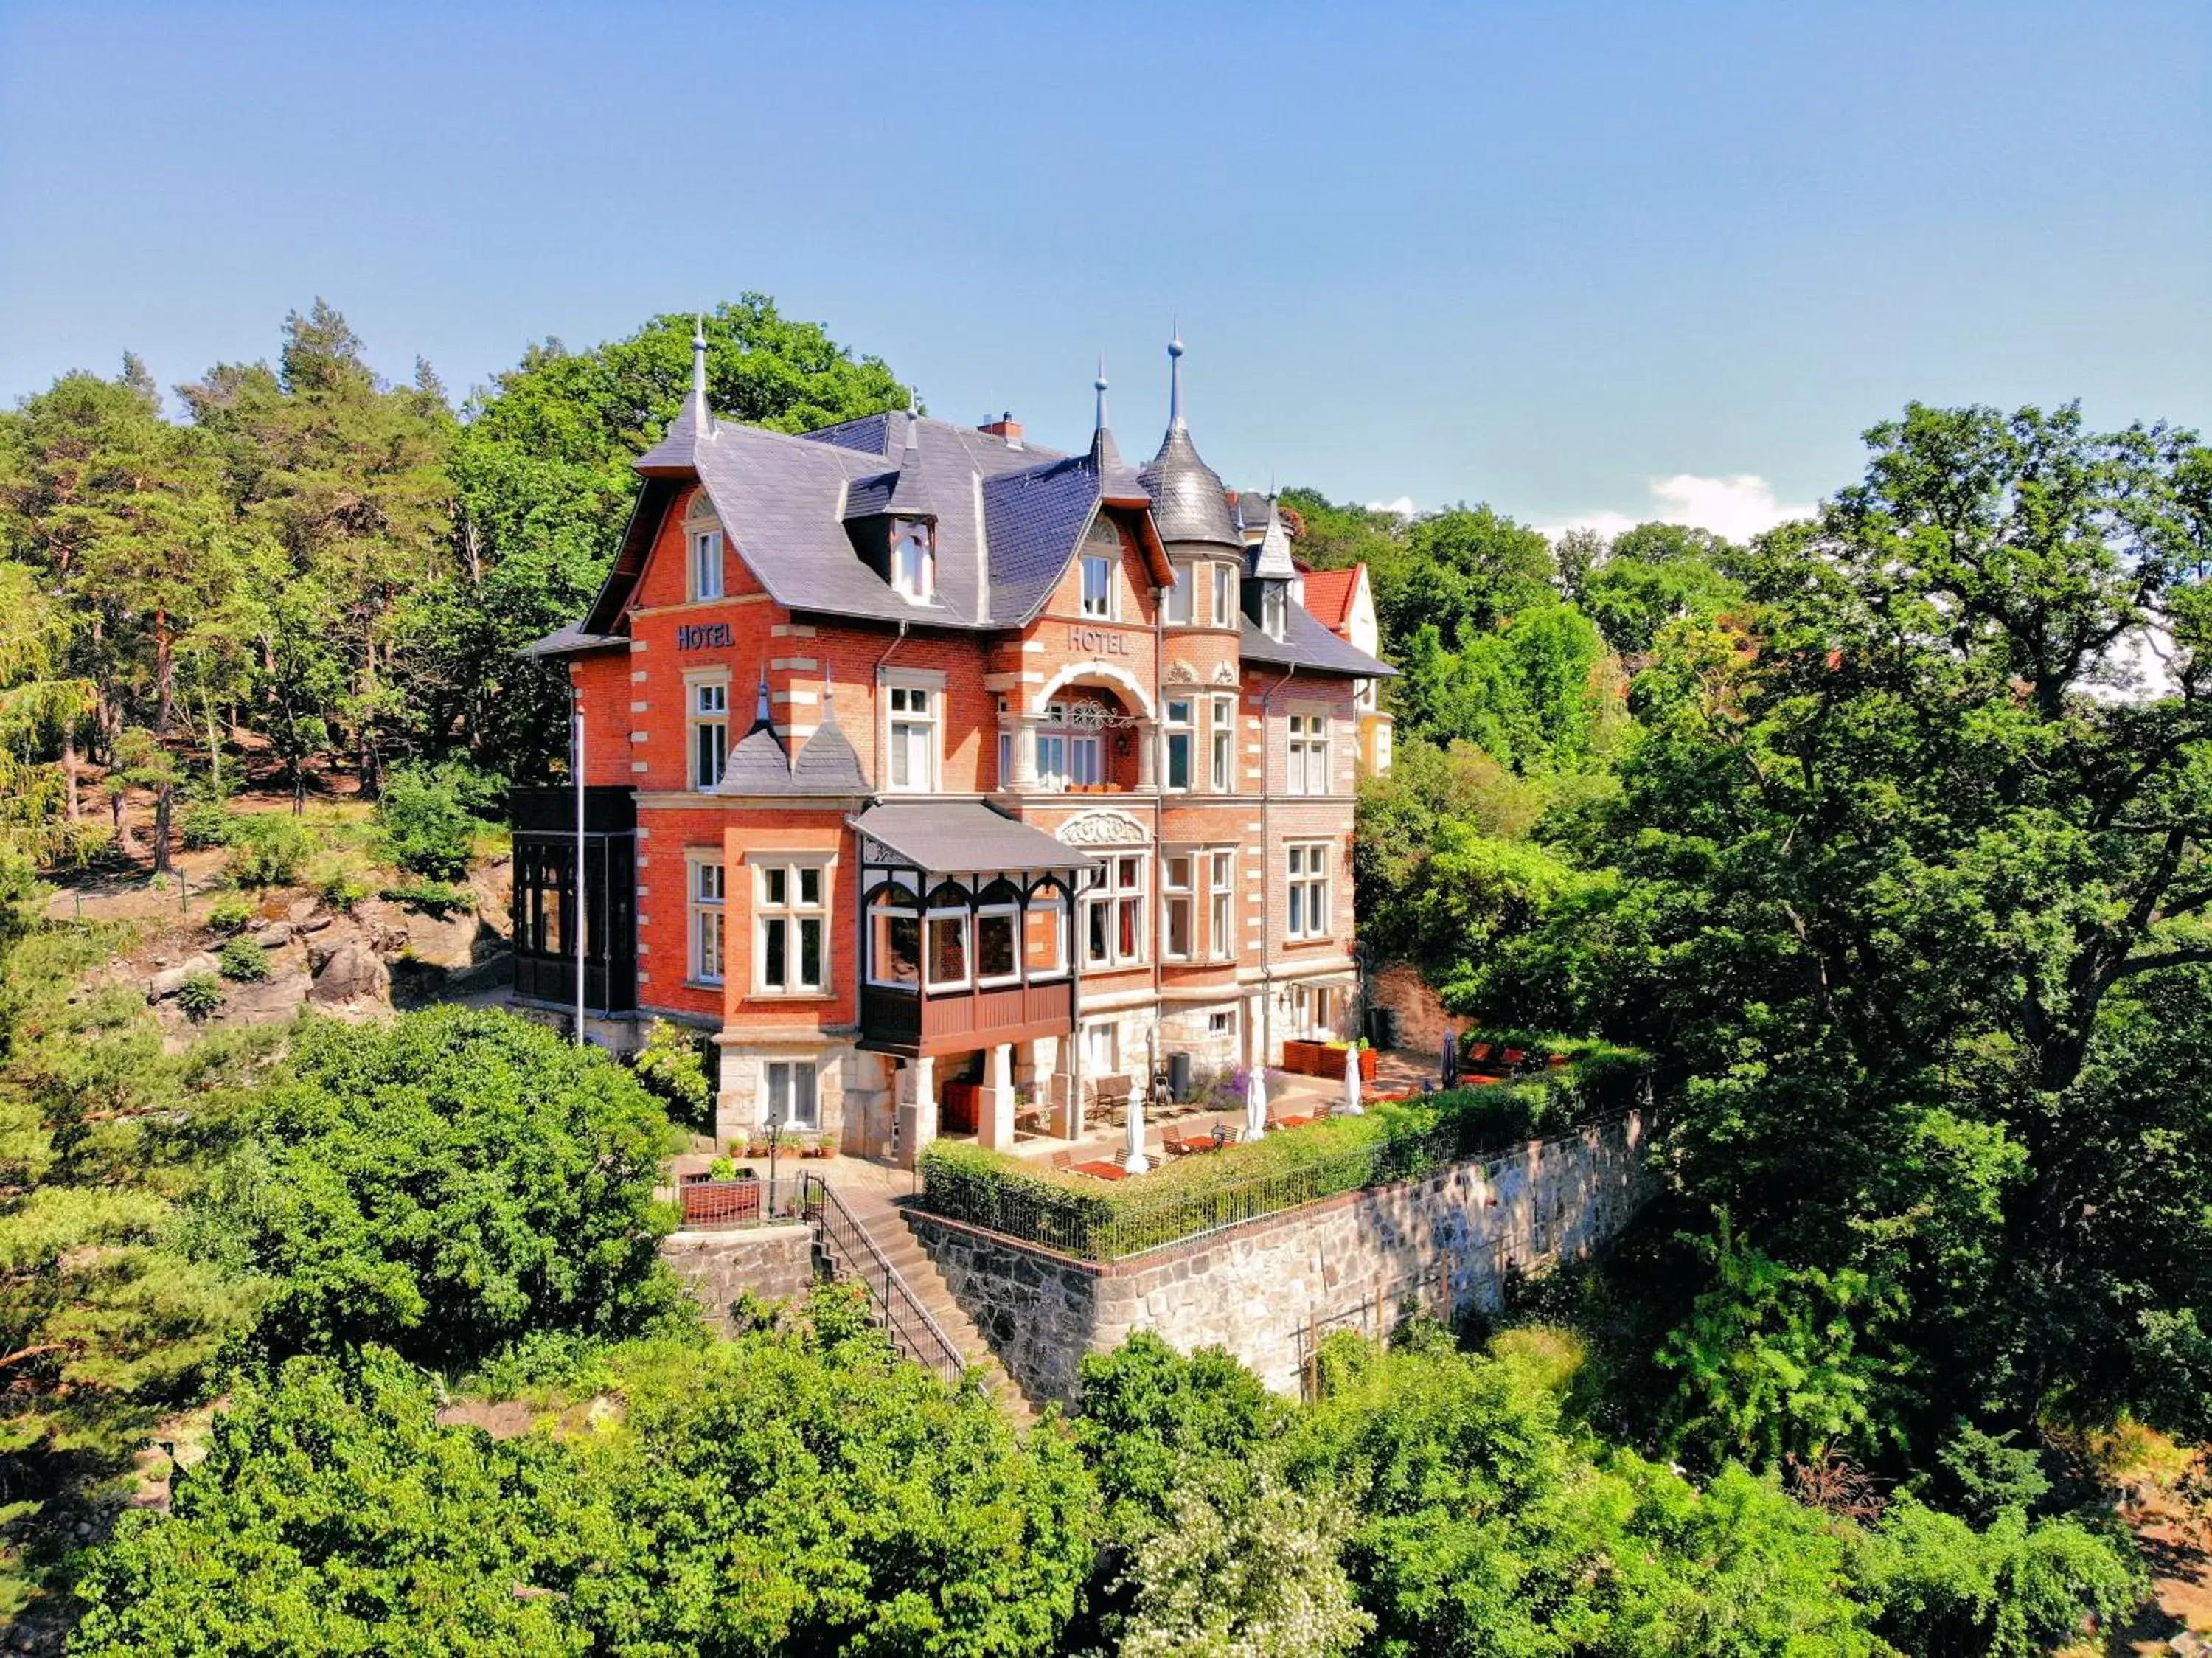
(767, 1232)
(1182, 1248)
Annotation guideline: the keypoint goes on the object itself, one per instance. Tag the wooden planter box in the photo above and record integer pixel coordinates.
(1333, 1062)
(1304, 1058)
(709, 1203)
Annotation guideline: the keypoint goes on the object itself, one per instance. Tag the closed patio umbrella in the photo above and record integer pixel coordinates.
(1255, 1103)
(1451, 1059)
(1351, 1106)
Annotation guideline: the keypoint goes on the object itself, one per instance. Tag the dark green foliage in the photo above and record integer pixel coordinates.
(446, 1184)
(270, 850)
(244, 961)
(230, 913)
(200, 995)
(1655, 575)
(423, 825)
(795, 1490)
(209, 823)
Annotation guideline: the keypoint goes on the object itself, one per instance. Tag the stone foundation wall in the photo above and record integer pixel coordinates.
(1269, 1290)
(717, 1267)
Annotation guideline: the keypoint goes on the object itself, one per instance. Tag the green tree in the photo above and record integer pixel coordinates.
(444, 1185)
(1654, 575)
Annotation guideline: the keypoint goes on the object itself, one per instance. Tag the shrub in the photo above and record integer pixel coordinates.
(200, 995)
(342, 890)
(1095, 1221)
(230, 912)
(423, 825)
(434, 897)
(243, 959)
(209, 823)
(445, 1183)
(672, 1064)
(270, 850)
(722, 1168)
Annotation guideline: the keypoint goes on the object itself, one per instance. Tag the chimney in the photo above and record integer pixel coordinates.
(1005, 426)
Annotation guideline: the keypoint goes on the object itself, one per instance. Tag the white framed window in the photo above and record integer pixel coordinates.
(997, 945)
(912, 571)
(705, 564)
(1098, 586)
(894, 943)
(1174, 602)
(1221, 733)
(1224, 613)
(1114, 915)
(1274, 608)
(1067, 755)
(1221, 1022)
(709, 718)
(706, 907)
(1179, 915)
(791, 929)
(1181, 738)
(911, 734)
(1102, 1048)
(1221, 906)
(1308, 755)
(944, 954)
(793, 1100)
(1307, 867)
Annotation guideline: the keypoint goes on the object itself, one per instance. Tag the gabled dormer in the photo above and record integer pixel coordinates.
(1269, 573)
(893, 523)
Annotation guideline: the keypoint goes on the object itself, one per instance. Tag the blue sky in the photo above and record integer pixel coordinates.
(1572, 259)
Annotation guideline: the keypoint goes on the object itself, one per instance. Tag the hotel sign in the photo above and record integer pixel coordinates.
(1098, 641)
(703, 635)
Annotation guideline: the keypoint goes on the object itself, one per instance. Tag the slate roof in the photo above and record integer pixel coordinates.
(572, 641)
(947, 837)
(1307, 644)
(1189, 501)
(826, 766)
(1009, 517)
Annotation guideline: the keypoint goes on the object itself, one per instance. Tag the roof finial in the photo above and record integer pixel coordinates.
(701, 416)
(1100, 383)
(912, 420)
(1175, 376)
(760, 704)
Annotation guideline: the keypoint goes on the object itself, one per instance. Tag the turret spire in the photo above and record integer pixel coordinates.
(761, 720)
(1174, 378)
(1100, 424)
(702, 417)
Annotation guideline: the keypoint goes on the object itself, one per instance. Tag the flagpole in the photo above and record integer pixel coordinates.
(576, 724)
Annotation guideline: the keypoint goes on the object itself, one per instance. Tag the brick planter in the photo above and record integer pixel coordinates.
(1333, 1063)
(709, 1204)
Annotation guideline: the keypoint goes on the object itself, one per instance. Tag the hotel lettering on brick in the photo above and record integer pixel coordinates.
(948, 780)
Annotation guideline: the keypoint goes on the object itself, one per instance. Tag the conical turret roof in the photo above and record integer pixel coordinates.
(1189, 501)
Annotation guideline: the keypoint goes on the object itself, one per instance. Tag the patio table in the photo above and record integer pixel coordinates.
(1103, 1169)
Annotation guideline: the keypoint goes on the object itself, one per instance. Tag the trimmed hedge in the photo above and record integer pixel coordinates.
(1098, 1220)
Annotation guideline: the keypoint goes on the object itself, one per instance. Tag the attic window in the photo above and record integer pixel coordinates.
(1274, 608)
(911, 560)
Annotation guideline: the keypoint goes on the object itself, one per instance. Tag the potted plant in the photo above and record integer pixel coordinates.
(826, 1146)
(757, 1146)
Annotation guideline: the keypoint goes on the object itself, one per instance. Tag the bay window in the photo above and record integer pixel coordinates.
(893, 942)
(945, 933)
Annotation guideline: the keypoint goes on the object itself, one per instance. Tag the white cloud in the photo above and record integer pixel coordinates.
(1738, 506)
(1403, 506)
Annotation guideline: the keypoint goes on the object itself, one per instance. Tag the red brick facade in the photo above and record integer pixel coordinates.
(1253, 788)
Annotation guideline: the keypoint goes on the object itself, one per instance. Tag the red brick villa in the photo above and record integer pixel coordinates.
(938, 774)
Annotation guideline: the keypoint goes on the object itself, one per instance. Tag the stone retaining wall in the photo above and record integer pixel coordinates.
(1269, 1290)
(716, 1267)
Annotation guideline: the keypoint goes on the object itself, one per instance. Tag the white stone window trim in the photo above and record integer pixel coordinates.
(1223, 594)
(1102, 606)
(1221, 904)
(791, 1070)
(1221, 744)
(1110, 896)
(906, 682)
(699, 911)
(1307, 754)
(696, 681)
(706, 573)
(793, 911)
(1181, 726)
(1307, 876)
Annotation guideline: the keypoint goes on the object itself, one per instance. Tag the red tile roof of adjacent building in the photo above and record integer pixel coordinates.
(1329, 597)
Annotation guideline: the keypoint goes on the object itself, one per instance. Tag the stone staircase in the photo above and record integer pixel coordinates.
(883, 1218)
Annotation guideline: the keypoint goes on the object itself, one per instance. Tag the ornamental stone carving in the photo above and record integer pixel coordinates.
(1181, 673)
(1103, 829)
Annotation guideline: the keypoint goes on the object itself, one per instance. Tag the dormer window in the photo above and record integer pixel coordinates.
(1274, 609)
(912, 560)
(705, 564)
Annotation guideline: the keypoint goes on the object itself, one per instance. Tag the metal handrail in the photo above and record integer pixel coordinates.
(914, 1332)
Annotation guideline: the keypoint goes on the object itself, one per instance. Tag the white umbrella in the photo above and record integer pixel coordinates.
(1255, 1103)
(1132, 1153)
(1351, 1106)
